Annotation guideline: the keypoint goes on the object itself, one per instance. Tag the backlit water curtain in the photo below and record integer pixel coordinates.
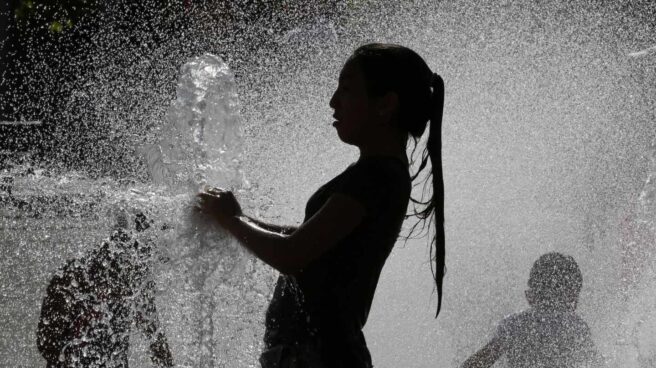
(115, 111)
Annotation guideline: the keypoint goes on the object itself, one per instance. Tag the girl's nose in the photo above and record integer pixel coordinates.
(333, 101)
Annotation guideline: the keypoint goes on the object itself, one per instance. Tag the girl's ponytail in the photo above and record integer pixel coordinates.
(434, 147)
(398, 69)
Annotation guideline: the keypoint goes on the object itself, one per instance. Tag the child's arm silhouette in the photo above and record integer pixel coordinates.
(486, 356)
(595, 359)
(280, 229)
(147, 320)
(335, 220)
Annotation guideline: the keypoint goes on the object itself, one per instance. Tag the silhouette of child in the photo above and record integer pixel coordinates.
(93, 302)
(386, 95)
(549, 333)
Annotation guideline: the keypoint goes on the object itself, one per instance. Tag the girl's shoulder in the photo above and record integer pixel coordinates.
(381, 166)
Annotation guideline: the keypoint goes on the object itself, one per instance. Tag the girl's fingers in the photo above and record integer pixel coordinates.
(215, 190)
(203, 200)
(200, 203)
(207, 196)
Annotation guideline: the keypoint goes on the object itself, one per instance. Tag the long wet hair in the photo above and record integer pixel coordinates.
(393, 68)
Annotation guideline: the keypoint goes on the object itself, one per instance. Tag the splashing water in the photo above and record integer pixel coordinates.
(548, 119)
(635, 323)
(200, 142)
(207, 286)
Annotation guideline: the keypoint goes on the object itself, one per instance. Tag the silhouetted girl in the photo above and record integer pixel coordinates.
(331, 263)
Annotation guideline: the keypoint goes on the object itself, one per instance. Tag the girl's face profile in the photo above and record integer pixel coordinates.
(354, 111)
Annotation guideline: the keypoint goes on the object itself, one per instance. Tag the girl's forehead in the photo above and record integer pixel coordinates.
(350, 71)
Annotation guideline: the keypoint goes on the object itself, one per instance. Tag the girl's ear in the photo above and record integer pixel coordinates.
(530, 297)
(388, 106)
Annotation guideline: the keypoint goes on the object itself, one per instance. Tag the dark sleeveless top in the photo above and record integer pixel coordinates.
(329, 301)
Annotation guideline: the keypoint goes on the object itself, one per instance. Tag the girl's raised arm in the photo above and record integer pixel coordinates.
(338, 217)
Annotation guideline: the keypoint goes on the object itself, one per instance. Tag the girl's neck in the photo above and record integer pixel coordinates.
(384, 151)
(387, 145)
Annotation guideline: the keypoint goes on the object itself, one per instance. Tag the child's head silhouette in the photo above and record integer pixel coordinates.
(554, 283)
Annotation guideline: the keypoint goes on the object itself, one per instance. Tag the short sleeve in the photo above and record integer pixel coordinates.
(504, 331)
(587, 347)
(368, 184)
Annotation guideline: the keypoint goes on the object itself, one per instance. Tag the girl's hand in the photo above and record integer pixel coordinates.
(220, 204)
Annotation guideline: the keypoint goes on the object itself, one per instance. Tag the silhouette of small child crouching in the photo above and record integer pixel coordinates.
(549, 333)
